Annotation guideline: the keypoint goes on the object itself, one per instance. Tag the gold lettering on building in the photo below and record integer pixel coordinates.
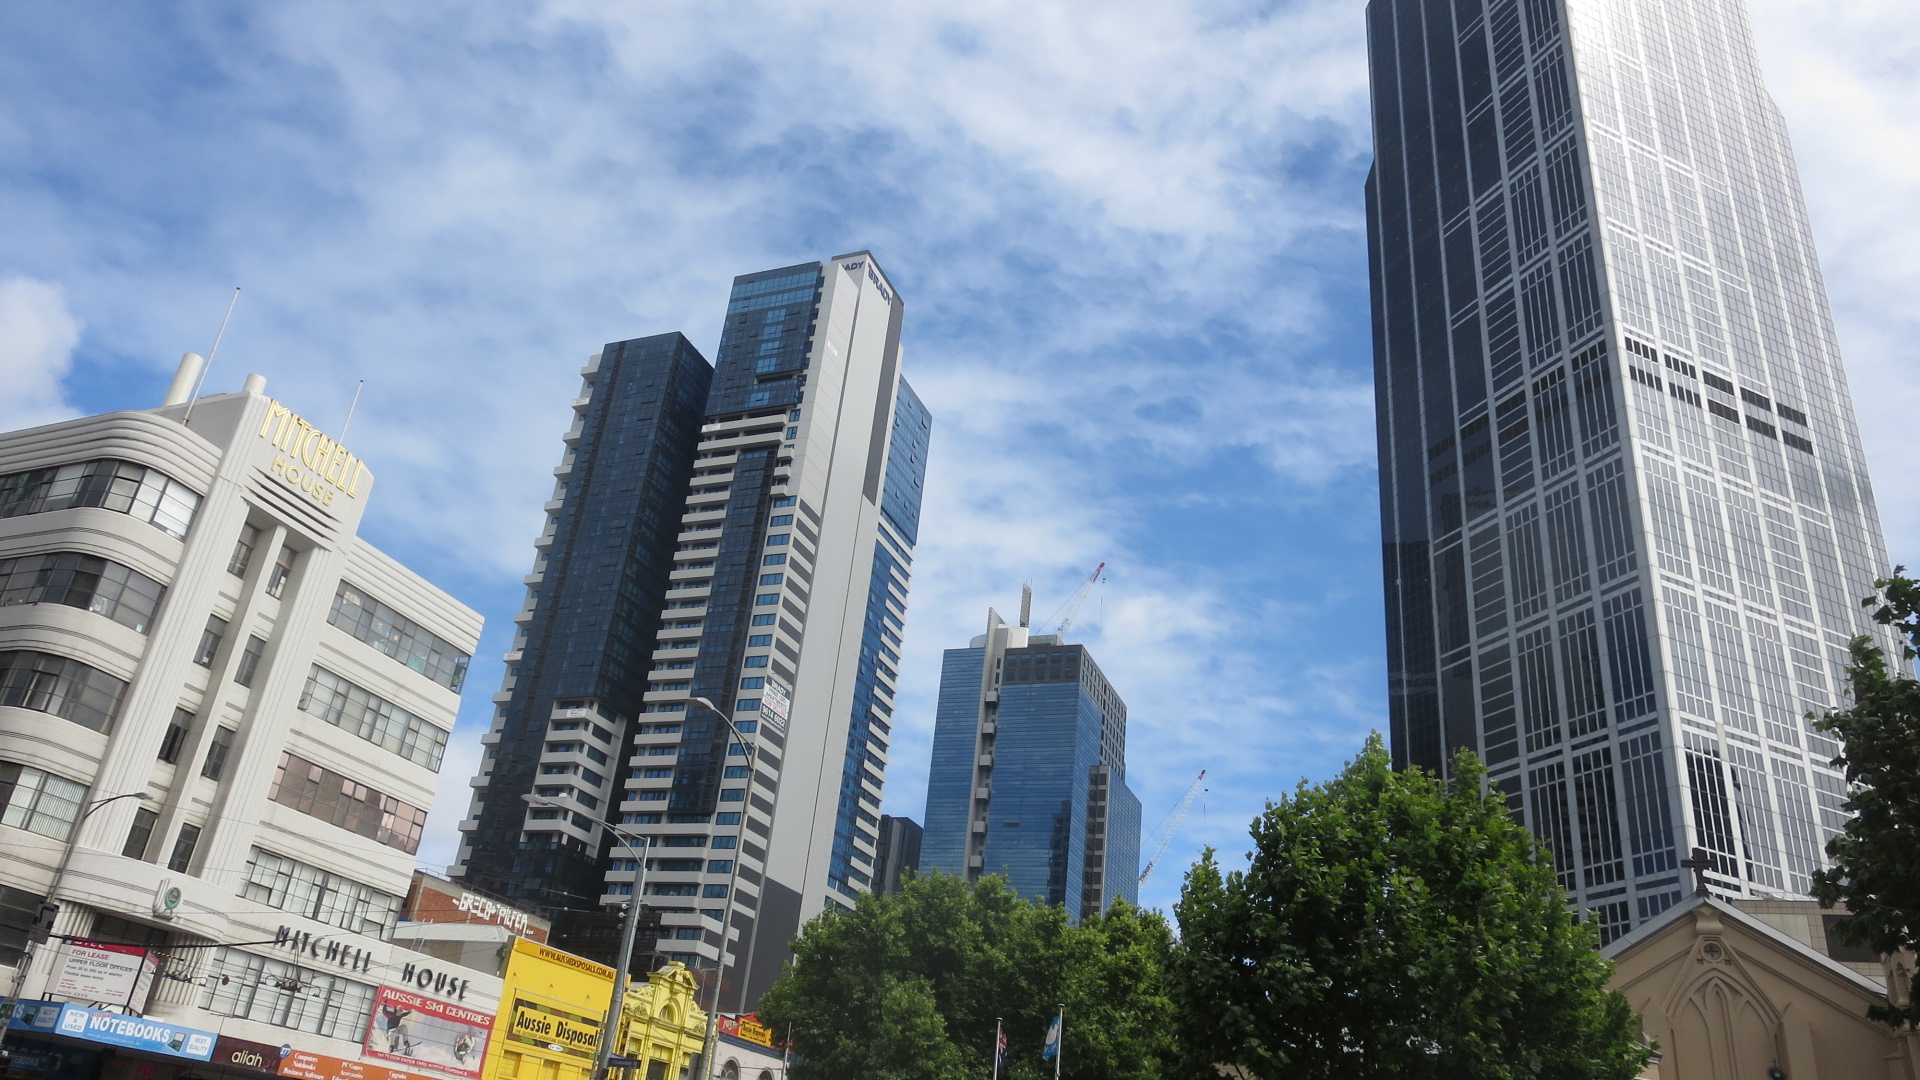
(309, 460)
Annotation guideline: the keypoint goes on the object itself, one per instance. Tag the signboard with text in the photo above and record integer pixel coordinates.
(746, 1026)
(425, 1032)
(96, 971)
(554, 1029)
(776, 701)
(246, 1054)
(301, 1065)
(131, 1032)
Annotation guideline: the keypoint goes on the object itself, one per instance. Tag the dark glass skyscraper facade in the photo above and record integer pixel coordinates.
(1625, 508)
(1029, 773)
(771, 565)
(579, 662)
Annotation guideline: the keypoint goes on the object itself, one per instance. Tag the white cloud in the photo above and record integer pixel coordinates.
(37, 338)
(1127, 235)
(1845, 76)
(440, 844)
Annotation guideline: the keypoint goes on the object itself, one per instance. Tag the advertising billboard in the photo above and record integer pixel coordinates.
(776, 701)
(747, 1027)
(97, 971)
(424, 1032)
(132, 1032)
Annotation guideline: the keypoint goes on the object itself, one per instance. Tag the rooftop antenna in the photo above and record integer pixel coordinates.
(1026, 604)
(188, 415)
(350, 408)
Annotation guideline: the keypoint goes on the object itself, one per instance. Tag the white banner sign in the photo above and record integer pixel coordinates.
(774, 703)
(94, 971)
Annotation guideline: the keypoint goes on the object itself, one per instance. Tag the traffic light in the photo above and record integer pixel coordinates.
(42, 926)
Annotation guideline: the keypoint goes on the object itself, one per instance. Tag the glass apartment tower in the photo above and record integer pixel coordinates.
(1029, 772)
(741, 533)
(1626, 512)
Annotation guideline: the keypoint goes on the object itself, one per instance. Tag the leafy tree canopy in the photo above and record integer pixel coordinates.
(1876, 860)
(1390, 924)
(907, 987)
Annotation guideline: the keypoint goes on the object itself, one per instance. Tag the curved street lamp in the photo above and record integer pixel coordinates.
(733, 880)
(617, 1002)
(53, 890)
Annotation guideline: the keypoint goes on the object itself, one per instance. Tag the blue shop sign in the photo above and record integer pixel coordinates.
(116, 1029)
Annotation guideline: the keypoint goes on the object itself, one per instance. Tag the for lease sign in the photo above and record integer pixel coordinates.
(96, 971)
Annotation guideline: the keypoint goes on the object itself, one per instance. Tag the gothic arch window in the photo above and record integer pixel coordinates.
(1723, 1027)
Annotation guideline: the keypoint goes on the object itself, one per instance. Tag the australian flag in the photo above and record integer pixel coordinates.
(999, 1052)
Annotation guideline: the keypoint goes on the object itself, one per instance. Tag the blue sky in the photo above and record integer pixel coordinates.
(1129, 237)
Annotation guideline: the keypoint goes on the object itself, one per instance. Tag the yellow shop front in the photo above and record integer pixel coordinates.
(552, 1009)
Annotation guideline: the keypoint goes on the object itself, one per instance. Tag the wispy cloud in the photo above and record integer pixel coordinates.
(1845, 77)
(37, 336)
(1129, 236)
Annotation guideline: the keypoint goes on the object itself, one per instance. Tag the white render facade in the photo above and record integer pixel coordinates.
(187, 613)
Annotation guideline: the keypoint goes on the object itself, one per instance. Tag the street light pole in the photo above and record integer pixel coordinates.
(53, 891)
(616, 1004)
(733, 882)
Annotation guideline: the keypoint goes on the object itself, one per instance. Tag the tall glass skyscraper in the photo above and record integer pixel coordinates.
(1029, 772)
(741, 533)
(1626, 512)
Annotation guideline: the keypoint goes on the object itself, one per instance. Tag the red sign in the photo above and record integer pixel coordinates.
(301, 1065)
(746, 1026)
(425, 1032)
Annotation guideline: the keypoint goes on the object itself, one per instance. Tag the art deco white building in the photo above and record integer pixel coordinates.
(222, 715)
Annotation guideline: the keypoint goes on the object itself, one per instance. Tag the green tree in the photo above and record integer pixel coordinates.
(1876, 860)
(1390, 924)
(907, 987)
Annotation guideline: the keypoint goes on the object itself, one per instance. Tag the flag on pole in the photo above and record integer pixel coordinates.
(1052, 1048)
(999, 1048)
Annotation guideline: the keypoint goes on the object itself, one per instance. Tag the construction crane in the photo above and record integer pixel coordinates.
(1072, 606)
(1173, 824)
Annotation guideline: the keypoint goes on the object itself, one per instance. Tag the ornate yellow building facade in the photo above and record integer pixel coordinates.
(661, 1025)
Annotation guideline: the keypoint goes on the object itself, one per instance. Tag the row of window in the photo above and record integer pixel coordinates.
(65, 688)
(293, 886)
(39, 801)
(654, 817)
(333, 798)
(687, 888)
(392, 633)
(361, 712)
(253, 987)
(119, 486)
(88, 582)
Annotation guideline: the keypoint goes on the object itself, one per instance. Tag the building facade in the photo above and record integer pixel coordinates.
(553, 1014)
(1626, 513)
(577, 673)
(222, 716)
(899, 857)
(1029, 772)
(1756, 988)
(770, 581)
